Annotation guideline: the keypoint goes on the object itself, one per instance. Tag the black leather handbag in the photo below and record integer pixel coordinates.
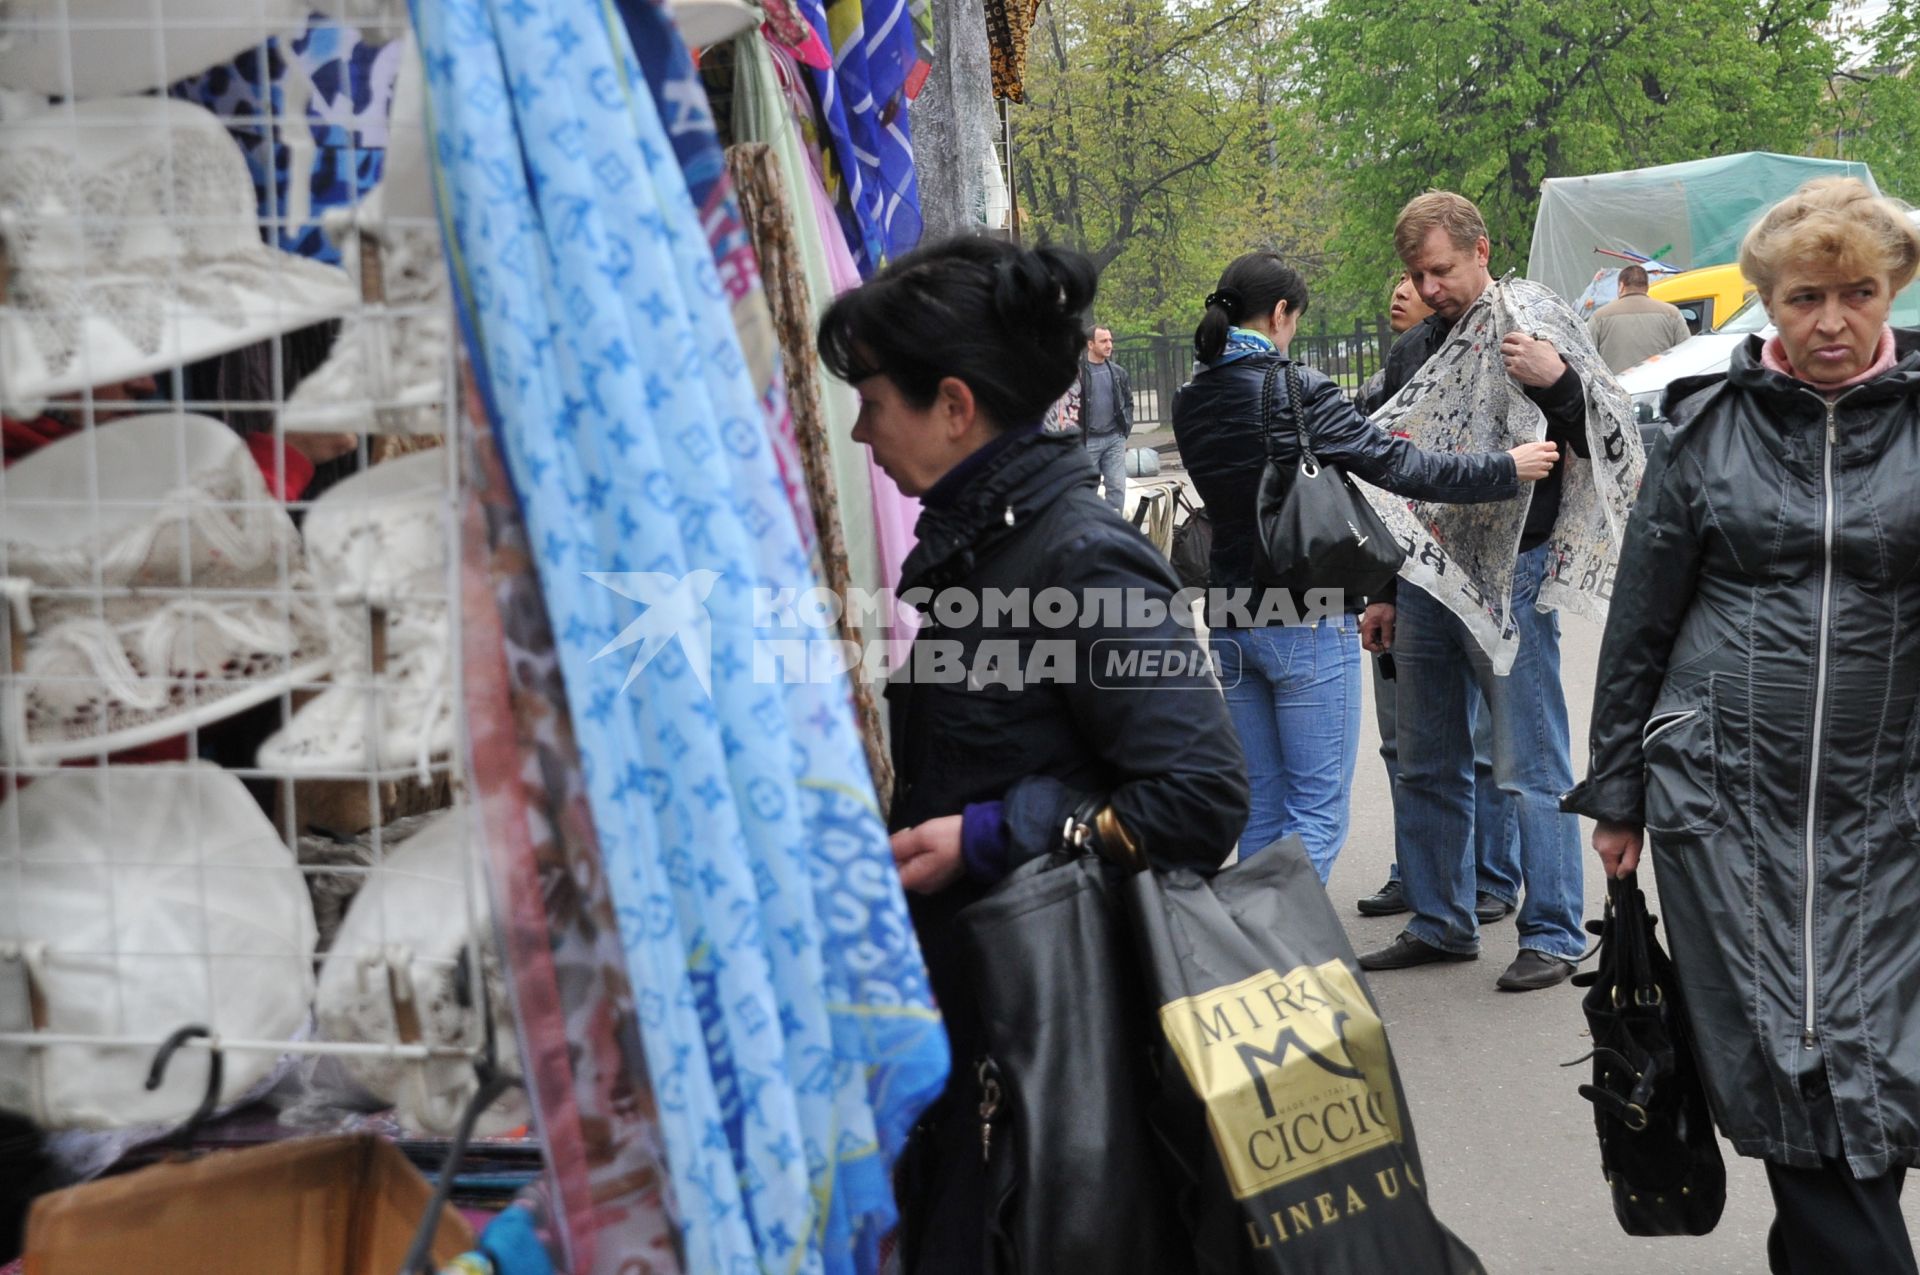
(1074, 1186)
(1192, 554)
(1316, 531)
(1657, 1145)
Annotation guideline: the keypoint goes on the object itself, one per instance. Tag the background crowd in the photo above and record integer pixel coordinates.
(1758, 678)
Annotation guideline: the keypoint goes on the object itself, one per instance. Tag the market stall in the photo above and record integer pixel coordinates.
(374, 385)
(1682, 216)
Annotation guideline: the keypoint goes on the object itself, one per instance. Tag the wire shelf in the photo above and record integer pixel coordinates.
(231, 740)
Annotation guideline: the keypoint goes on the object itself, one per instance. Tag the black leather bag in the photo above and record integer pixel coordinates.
(1316, 531)
(1073, 1183)
(1657, 1145)
(1192, 553)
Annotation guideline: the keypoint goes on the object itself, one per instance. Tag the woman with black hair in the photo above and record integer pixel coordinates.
(1020, 722)
(1292, 675)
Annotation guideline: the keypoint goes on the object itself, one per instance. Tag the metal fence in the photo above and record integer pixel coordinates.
(1159, 365)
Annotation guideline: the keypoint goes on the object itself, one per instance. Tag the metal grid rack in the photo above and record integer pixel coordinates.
(175, 626)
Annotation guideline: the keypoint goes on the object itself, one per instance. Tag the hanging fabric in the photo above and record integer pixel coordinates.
(764, 112)
(339, 86)
(579, 1027)
(769, 218)
(787, 27)
(877, 519)
(1009, 25)
(734, 814)
(877, 69)
(895, 514)
(681, 100)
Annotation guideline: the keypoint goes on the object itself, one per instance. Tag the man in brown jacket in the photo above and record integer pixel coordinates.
(1636, 327)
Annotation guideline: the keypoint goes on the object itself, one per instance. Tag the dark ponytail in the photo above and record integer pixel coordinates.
(1253, 284)
(1008, 321)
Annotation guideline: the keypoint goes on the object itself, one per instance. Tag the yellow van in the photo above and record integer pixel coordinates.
(1707, 296)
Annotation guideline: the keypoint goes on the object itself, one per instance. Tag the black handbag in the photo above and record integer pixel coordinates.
(1074, 1185)
(1192, 553)
(1315, 530)
(1657, 1145)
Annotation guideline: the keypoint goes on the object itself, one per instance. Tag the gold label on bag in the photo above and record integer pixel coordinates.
(1293, 1070)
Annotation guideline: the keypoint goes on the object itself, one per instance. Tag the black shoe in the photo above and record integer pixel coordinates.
(1407, 951)
(1389, 900)
(1530, 972)
(1490, 908)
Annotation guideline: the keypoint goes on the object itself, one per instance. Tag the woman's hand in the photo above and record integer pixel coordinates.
(928, 855)
(1618, 845)
(1376, 627)
(1534, 461)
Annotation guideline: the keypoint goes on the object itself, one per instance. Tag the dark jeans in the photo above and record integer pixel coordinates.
(1828, 1222)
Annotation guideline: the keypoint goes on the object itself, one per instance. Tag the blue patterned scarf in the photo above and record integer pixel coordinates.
(345, 119)
(783, 1002)
(1243, 343)
(863, 100)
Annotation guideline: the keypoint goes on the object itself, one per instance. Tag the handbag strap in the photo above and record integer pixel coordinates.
(1266, 406)
(1296, 403)
(1633, 933)
(1297, 400)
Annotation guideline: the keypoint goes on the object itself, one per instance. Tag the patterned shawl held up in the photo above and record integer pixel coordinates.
(1463, 401)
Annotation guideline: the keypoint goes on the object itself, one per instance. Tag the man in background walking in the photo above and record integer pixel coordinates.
(1106, 414)
(1636, 327)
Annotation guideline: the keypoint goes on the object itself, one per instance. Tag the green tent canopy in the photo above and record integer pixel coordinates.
(1701, 208)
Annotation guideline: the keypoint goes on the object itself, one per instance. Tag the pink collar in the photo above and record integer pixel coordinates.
(1773, 357)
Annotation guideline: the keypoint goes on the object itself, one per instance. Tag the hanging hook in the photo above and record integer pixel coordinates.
(216, 1075)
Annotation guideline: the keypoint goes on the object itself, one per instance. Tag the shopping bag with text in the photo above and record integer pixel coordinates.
(1280, 1102)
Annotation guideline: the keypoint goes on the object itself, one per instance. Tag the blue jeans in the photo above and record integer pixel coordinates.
(1496, 825)
(1108, 452)
(1439, 666)
(1294, 695)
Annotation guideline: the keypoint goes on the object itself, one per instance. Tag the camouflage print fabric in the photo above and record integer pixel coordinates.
(1462, 400)
(580, 1038)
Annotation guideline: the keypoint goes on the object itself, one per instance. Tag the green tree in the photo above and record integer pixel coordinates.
(1159, 136)
(1873, 109)
(1491, 97)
